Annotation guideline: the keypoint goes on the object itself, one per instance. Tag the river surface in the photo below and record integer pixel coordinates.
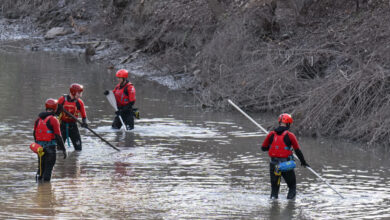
(180, 162)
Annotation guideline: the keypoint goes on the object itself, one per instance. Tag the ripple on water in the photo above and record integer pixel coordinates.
(176, 164)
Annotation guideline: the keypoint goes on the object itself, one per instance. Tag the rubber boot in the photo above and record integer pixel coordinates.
(129, 127)
(291, 193)
(274, 192)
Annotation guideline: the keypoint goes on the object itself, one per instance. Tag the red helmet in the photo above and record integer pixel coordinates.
(75, 88)
(285, 118)
(122, 73)
(51, 104)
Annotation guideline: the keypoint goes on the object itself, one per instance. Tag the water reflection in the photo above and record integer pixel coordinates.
(178, 163)
(45, 200)
(279, 212)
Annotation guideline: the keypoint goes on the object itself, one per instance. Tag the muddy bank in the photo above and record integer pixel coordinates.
(324, 61)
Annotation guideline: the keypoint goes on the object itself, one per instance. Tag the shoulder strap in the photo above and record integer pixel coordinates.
(286, 139)
(125, 91)
(36, 122)
(48, 124)
(285, 136)
(78, 105)
(271, 138)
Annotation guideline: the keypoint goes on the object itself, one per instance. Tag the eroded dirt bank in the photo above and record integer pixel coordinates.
(326, 61)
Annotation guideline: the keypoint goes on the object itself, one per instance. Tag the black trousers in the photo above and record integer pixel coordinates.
(70, 129)
(46, 163)
(289, 178)
(128, 119)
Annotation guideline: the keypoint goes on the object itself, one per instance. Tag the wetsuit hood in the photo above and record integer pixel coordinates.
(43, 115)
(279, 130)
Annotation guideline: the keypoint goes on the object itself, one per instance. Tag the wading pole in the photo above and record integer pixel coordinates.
(68, 113)
(251, 119)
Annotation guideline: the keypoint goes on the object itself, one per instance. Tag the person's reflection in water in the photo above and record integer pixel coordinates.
(288, 211)
(123, 169)
(45, 199)
(278, 213)
(125, 139)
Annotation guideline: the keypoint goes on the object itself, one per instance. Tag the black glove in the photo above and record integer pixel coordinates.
(118, 113)
(84, 124)
(299, 154)
(61, 145)
(106, 92)
(65, 153)
(304, 164)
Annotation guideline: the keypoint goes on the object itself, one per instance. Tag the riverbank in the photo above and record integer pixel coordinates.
(323, 61)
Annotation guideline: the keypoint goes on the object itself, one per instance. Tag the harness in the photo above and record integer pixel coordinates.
(45, 144)
(281, 154)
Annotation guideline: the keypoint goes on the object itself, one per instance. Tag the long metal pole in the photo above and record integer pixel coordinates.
(93, 132)
(258, 125)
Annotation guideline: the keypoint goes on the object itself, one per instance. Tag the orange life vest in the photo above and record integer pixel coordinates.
(72, 107)
(122, 95)
(42, 131)
(278, 146)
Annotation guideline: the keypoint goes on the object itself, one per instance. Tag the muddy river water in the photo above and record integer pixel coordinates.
(180, 162)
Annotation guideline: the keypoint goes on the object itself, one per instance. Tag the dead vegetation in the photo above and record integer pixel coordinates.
(326, 61)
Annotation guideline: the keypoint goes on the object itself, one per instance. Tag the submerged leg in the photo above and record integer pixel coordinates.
(275, 182)
(290, 179)
(116, 124)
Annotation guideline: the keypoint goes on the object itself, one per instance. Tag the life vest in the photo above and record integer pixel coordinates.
(122, 95)
(278, 147)
(72, 107)
(44, 130)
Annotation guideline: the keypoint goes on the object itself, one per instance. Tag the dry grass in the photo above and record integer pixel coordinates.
(326, 61)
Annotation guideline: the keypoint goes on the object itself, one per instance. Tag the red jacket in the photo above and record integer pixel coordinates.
(277, 146)
(124, 94)
(75, 107)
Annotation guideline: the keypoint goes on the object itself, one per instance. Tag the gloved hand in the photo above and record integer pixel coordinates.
(65, 153)
(106, 92)
(265, 148)
(304, 164)
(118, 113)
(84, 124)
